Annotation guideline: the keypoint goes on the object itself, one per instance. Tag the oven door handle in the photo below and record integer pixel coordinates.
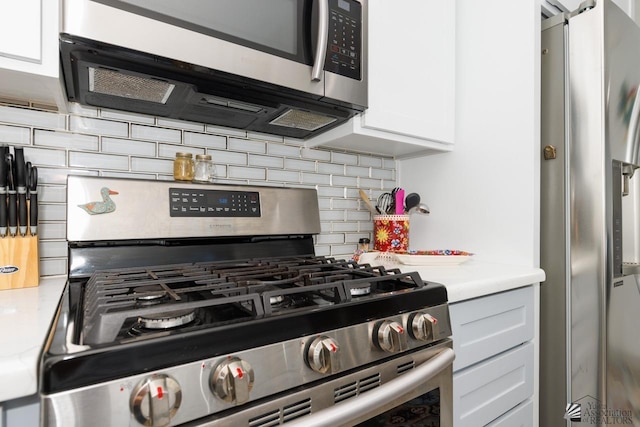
(346, 413)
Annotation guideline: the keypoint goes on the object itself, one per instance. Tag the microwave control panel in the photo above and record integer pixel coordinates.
(199, 203)
(344, 46)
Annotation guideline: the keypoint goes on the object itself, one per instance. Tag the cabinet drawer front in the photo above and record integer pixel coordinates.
(520, 416)
(485, 391)
(486, 326)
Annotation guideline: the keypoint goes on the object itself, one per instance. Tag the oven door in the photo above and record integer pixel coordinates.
(421, 396)
(407, 390)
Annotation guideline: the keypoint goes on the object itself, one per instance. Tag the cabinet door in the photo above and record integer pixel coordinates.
(412, 68)
(21, 31)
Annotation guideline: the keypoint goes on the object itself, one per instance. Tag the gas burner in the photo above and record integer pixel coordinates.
(151, 294)
(276, 299)
(360, 291)
(167, 320)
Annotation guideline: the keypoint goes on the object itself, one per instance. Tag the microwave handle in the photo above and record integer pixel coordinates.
(347, 412)
(323, 36)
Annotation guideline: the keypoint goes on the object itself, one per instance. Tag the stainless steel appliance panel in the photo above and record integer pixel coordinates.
(133, 218)
(589, 144)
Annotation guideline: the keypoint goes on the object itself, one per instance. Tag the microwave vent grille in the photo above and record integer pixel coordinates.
(109, 82)
(301, 119)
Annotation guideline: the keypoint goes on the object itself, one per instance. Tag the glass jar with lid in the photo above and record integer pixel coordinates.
(205, 169)
(183, 167)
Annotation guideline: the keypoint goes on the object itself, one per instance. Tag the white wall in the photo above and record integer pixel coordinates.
(484, 196)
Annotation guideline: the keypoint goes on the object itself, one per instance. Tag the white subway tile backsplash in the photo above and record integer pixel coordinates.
(373, 162)
(360, 171)
(167, 150)
(310, 153)
(110, 143)
(179, 124)
(248, 173)
(225, 131)
(248, 146)
(52, 212)
(228, 157)
(344, 181)
(52, 248)
(32, 118)
(371, 183)
(53, 266)
(347, 159)
(127, 117)
(65, 140)
(315, 178)
(283, 150)
(156, 134)
(15, 135)
(52, 230)
(59, 175)
(283, 176)
(267, 161)
(142, 164)
(98, 161)
(205, 140)
(342, 227)
(385, 174)
(330, 168)
(45, 156)
(128, 147)
(300, 165)
(52, 194)
(98, 126)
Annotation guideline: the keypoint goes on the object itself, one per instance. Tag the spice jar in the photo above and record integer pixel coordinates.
(183, 167)
(363, 247)
(205, 169)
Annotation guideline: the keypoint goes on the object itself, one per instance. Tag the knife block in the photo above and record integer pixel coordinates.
(19, 262)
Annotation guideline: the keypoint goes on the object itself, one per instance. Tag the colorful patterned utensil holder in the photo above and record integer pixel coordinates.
(391, 233)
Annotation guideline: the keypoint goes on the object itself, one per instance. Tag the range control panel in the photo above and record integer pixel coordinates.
(190, 202)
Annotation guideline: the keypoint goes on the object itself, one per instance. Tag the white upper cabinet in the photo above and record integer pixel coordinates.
(411, 82)
(29, 64)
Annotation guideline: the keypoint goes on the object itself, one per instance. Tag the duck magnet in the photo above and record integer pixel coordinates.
(104, 206)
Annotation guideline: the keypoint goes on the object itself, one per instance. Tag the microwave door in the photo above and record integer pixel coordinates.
(180, 35)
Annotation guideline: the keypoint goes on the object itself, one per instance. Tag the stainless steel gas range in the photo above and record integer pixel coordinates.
(205, 305)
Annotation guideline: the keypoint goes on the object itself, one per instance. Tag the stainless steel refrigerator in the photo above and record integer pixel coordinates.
(590, 210)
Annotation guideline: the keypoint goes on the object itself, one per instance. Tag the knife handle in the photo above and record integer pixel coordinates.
(22, 212)
(21, 178)
(3, 214)
(33, 213)
(13, 212)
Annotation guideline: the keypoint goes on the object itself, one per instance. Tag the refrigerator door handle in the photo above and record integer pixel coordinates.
(633, 132)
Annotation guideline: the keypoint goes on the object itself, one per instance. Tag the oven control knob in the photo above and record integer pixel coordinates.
(424, 326)
(232, 380)
(323, 355)
(390, 336)
(155, 400)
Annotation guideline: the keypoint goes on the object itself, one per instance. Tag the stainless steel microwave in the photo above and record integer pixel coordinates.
(288, 67)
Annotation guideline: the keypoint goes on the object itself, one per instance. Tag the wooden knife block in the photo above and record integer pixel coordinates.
(20, 253)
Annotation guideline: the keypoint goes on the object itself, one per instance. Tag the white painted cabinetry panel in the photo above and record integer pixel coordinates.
(483, 327)
(493, 339)
(411, 72)
(29, 64)
(20, 32)
(484, 392)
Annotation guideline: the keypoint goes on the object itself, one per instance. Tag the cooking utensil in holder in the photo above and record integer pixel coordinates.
(391, 233)
(19, 262)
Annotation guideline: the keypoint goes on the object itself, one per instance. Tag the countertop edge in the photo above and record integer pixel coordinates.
(26, 316)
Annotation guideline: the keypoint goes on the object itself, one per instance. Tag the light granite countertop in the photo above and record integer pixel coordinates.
(26, 315)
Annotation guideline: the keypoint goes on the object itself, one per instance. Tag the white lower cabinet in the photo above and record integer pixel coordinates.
(493, 379)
